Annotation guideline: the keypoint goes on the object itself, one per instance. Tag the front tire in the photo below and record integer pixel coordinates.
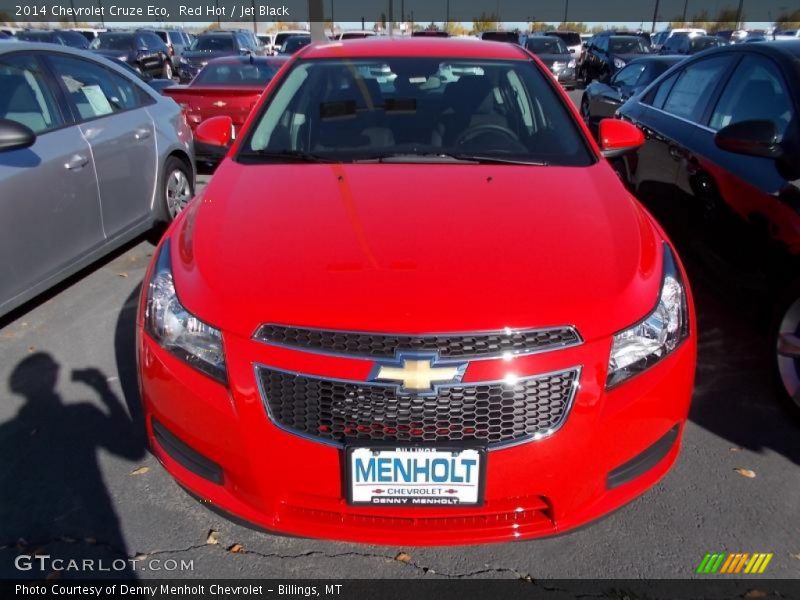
(786, 350)
(176, 189)
(167, 71)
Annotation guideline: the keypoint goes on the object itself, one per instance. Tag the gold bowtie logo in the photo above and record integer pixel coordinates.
(419, 375)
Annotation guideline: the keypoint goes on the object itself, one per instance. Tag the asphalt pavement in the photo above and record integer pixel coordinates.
(78, 482)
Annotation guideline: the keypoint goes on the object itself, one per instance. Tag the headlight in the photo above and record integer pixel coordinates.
(619, 63)
(571, 64)
(641, 346)
(176, 329)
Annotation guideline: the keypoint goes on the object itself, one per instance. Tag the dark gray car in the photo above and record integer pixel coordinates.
(90, 157)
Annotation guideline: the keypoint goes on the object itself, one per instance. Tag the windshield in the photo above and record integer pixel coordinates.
(701, 43)
(546, 45)
(258, 73)
(282, 37)
(294, 43)
(500, 36)
(416, 110)
(213, 43)
(570, 39)
(626, 45)
(112, 41)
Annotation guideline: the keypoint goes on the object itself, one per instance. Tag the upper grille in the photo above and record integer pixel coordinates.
(379, 345)
(496, 413)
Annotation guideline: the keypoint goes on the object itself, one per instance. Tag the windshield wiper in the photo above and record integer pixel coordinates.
(499, 160)
(447, 158)
(414, 157)
(288, 156)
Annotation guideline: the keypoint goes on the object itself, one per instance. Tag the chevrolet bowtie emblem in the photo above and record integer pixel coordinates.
(418, 373)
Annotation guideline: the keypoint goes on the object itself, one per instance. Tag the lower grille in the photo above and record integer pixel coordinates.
(496, 413)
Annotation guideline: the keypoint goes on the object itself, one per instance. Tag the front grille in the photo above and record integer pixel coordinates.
(378, 345)
(495, 413)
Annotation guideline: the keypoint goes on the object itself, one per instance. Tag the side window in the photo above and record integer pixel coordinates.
(755, 91)
(141, 42)
(95, 90)
(26, 98)
(689, 95)
(657, 95)
(629, 75)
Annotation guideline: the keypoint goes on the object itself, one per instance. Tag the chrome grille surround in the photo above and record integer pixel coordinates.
(468, 346)
(500, 414)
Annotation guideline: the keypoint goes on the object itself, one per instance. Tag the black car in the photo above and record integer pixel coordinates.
(215, 44)
(293, 43)
(142, 50)
(686, 44)
(722, 164)
(501, 36)
(607, 54)
(73, 39)
(601, 99)
(553, 52)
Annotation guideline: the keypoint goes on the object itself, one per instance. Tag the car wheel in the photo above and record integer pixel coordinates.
(176, 188)
(167, 69)
(787, 351)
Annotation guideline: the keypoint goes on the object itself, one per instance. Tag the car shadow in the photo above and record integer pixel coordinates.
(54, 501)
(735, 396)
(125, 355)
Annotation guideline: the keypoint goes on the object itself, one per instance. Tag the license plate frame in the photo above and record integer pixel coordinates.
(437, 450)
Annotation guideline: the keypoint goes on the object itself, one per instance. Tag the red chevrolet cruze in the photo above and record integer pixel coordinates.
(415, 305)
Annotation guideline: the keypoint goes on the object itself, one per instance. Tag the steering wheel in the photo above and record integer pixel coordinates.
(471, 133)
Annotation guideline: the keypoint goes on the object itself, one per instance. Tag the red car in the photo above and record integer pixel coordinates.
(228, 86)
(416, 305)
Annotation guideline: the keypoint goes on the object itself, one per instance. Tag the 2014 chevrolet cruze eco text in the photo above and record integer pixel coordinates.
(416, 305)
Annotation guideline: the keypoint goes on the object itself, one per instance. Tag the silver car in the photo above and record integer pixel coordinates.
(90, 157)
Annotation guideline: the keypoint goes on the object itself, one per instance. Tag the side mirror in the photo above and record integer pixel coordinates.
(618, 137)
(215, 131)
(754, 138)
(15, 136)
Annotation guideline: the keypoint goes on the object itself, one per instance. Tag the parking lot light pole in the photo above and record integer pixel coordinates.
(655, 16)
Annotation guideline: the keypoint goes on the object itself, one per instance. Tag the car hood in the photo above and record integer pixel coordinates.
(200, 55)
(114, 54)
(549, 59)
(628, 57)
(416, 248)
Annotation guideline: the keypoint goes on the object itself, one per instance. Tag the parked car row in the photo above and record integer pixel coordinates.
(721, 162)
(90, 157)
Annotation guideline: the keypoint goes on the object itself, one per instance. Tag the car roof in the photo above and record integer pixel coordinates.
(668, 59)
(247, 60)
(380, 46)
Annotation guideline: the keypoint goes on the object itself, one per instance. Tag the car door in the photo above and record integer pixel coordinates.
(609, 97)
(756, 190)
(668, 116)
(49, 204)
(111, 110)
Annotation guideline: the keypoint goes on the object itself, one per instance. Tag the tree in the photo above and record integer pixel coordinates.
(572, 26)
(486, 22)
(788, 20)
(432, 27)
(540, 26)
(5, 17)
(597, 29)
(455, 29)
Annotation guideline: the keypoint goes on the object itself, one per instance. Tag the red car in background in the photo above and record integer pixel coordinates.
(228, 86)
(416, 305)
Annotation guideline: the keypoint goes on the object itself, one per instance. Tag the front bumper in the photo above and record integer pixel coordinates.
(613, 446)
(187, 72)
(566, 77)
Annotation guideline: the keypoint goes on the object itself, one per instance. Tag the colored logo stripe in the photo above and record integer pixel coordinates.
(735, 562)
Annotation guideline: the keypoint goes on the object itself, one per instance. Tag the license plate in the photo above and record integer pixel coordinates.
(415, 476)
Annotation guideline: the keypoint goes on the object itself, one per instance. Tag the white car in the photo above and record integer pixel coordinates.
(661, 37)
(280, 37)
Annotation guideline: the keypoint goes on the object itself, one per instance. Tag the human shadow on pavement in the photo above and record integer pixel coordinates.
(53, 500)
